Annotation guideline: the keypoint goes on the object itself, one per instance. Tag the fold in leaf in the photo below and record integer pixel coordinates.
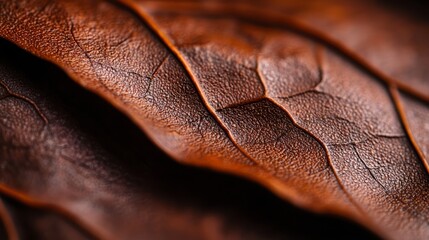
(7, 228)
(27, 223)
(301, 103)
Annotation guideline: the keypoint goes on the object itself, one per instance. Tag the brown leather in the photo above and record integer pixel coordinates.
(325, 104)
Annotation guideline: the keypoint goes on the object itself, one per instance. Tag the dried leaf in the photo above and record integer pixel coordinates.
(317, 102)
(87, 172)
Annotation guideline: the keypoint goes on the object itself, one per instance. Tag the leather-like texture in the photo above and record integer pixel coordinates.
(92, 174)
(325, 104)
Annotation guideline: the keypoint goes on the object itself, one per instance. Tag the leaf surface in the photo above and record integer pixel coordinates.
(298, 97)
(89, 173)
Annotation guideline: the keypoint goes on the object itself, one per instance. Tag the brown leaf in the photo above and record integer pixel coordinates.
(87, 172)
(304, 98)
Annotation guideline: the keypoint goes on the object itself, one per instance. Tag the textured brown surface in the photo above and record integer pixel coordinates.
(94, 175)
(324, 104)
